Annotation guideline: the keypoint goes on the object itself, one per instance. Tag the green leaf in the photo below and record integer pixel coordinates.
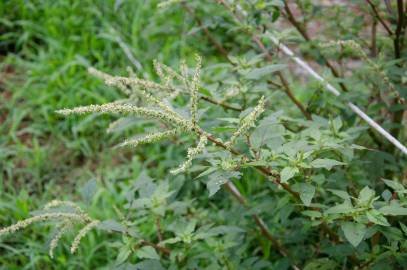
(214, 185)
(340, 193)
(325, 163)
(403, 228)
(111, 225)
(394, 185)
(306, 191)
(225, 230)
(311, 213)
(190, 227)
(147, 252)
(322, 264)
(88, 190)
(387, 195)
(219, 178)
(257, 73)
(223, 129)
(343, 208)
(392, 234)
(394, 209)
(354, 232)
(256, 163)
(147, 264)
(377, 218)
(171, 240)
(124, 253)
(337, 124)
(206, 172)
(287, 173)
(263, 134)
(366, 195)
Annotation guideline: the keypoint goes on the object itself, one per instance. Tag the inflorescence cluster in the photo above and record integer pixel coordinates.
(66, 222)
(172, 83)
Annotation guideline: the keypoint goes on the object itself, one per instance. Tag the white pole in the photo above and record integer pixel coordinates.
(335, 91)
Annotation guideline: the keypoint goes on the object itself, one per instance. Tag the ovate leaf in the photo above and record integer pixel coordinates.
(263, 134)
(257, 73)
(147, 252)
(124, 253)
(343, 208)
(403, 228)
(217, 179)
(111, 225)
(311, 213)
(306, 191)
(366, 195)
(288, 173)
(394, 209)
(377, 218)
(394, 185)
(340, 193)
(354, 232)
(325, 163)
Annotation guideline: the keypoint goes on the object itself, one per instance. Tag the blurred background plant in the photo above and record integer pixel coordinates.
(307, 142)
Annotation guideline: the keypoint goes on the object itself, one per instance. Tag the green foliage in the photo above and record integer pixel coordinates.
(233, 161)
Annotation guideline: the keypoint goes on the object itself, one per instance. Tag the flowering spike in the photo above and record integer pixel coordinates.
(194, 89)
(55, 240)
(41, 218)
(158, 70)
(247, 122)
(192, 153)
(57, 203)
(82, 233)
(150, 138)
(184, 73)
(130, 109)
(172, 73)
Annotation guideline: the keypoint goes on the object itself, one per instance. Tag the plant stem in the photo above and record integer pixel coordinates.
(398, 47)
(377, 15)
(159, 232)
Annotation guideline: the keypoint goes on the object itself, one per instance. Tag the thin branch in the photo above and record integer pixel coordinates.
(292, 97)
(373, 43)
(400, 24)
(224, 105)
(377, 15)
(217, 45)
(283, 80)
(159, 232)
(295, 23)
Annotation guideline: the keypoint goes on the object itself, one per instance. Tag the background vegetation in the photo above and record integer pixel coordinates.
(45, 50)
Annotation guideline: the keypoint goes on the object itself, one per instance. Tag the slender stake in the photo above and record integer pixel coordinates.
(334, 91)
